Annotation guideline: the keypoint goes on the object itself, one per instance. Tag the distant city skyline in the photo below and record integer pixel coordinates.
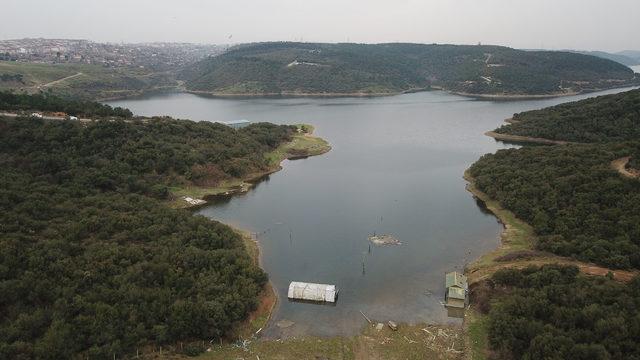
(544, 24)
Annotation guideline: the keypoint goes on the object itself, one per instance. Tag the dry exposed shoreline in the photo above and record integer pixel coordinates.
(488, 97)
(294, 94)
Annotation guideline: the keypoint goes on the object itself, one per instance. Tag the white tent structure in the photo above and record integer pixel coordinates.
(312, 292)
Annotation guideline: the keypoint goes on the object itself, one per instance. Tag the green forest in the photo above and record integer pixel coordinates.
(94, 264)
(604, 118)
(10, 101)
(284, 67)
(577, 204)
(552, 312)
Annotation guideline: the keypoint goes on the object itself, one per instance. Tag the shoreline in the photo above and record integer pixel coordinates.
(259, 318)
(294, 94)
(524, 139)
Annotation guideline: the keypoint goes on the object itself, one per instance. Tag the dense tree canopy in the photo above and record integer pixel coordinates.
(552, 312)
(604, 118)
(383, 68)
(137, 154)
(92, 262)
(572, 197)
(10, 101)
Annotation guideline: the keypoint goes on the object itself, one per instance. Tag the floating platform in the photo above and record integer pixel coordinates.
(312, 292)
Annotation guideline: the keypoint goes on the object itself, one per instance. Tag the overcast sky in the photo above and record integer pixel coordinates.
(609, 25)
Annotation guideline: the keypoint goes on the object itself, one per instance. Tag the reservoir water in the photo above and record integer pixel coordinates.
(395, 168)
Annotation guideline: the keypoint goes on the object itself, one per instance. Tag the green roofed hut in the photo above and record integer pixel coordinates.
(457, 290)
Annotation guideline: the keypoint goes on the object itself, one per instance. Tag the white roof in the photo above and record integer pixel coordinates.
(313, 292)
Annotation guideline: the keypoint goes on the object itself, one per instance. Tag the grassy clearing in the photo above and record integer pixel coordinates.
(36, 74)
(338, 348)
(477, 328)
(95, 81)
(302, 144)
(199, 192)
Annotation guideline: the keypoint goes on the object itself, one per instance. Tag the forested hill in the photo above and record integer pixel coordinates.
(605, 118)
(307, 68)
(577, 204)
(93, 263)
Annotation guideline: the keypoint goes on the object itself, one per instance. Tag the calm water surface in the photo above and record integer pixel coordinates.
(396, 168)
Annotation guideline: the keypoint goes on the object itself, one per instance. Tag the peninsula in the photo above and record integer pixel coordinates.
(569, 212)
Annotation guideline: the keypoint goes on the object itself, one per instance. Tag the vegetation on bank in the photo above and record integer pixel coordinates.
(16, 102)
(93, 262)
(82, 81)
(601, 119)
(552, 312)
(308, 68)
(300, 144)
(576, 203)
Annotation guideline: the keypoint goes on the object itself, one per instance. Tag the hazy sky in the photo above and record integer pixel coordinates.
(553, 24)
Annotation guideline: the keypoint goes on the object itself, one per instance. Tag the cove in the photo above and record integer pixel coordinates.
(395, 167)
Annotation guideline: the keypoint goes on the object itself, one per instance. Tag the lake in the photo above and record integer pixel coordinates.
(395, 168)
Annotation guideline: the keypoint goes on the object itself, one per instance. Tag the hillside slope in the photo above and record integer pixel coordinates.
(81, 80)
(341, 69)
(604, 118)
